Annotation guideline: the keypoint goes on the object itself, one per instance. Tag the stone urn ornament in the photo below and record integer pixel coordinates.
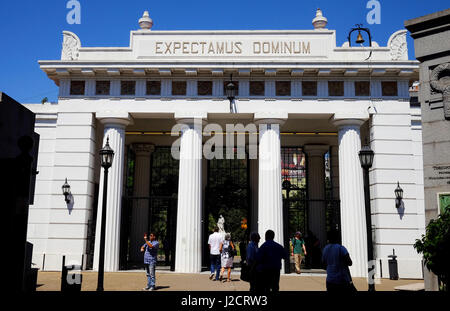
(440, 82)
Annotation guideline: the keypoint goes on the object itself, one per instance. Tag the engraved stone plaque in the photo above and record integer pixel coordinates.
(77, 87)
(204, 88)
(153, 87)
(283, 88)
(362, 88)
(309, 88)
(256, 88)
(178, 88)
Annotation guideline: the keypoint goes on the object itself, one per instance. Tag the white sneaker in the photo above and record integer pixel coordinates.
(146, 288)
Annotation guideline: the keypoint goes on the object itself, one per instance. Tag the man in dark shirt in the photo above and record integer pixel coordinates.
(252, 251)
(268, 260)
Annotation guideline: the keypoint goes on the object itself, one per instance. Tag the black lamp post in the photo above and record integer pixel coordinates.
(106, 157)
(366, 158)
(230, 92)
(398, 195)
(66, 191)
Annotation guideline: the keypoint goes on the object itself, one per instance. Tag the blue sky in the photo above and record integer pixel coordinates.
(31, 30)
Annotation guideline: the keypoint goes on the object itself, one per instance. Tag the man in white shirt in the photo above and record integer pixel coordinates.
(214, 241)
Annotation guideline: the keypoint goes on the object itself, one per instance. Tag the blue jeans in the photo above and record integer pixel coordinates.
(215, 265)
(151, 274)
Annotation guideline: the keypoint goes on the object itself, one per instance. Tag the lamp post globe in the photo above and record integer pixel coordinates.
(230, 92)
(366, 156)
(106, 155)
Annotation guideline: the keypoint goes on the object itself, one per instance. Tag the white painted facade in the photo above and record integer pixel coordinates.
(74, 129)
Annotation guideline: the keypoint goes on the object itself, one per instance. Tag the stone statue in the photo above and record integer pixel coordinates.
(220, 224)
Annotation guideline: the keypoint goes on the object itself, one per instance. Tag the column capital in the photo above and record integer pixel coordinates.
(114, 118)
(270, 117)
(143, 149)
(343, 119)
(316, 150)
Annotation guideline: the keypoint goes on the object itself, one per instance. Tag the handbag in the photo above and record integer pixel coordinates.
(232, 251)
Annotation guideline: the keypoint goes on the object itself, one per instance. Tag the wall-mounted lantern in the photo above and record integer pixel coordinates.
(66, 192)
(230, 92)
(398, 195)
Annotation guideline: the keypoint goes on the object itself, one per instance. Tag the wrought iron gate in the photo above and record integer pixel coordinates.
(162, 221)
(228, 194)
(161, 204)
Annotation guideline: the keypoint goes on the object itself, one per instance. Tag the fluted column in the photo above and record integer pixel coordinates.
(140, 212)
(189, 229)
(270, 200)
(254, 193)
(114, 129)
(353, 221)
(316, 190)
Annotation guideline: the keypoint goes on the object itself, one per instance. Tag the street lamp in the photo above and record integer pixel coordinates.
(106, 157)
(366, 156)
(66, 191)
(398, 195)
(230, 92)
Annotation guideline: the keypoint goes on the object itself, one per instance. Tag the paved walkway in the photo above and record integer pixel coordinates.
(170, 281)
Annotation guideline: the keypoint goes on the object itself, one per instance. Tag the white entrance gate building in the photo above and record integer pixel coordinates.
(297, 86)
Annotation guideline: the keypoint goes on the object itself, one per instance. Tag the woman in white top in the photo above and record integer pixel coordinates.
(226, 256)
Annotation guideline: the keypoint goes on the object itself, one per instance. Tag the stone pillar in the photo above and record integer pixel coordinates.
(316, 190)
(270, 200)
(189, 229)
(353, 217)
(140, 211)
(253, 225)
(114, 129)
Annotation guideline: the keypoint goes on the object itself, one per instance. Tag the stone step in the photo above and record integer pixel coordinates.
(415, 287)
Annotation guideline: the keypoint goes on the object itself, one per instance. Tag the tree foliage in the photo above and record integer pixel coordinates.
(435, 247)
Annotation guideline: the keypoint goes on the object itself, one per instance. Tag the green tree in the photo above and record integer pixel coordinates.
(435, 247)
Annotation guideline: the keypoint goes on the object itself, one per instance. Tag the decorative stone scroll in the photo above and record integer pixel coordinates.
(398, 46)
(70, 47)
(440, 82)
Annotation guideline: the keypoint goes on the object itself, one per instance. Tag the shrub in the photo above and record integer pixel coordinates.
(435, 247)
